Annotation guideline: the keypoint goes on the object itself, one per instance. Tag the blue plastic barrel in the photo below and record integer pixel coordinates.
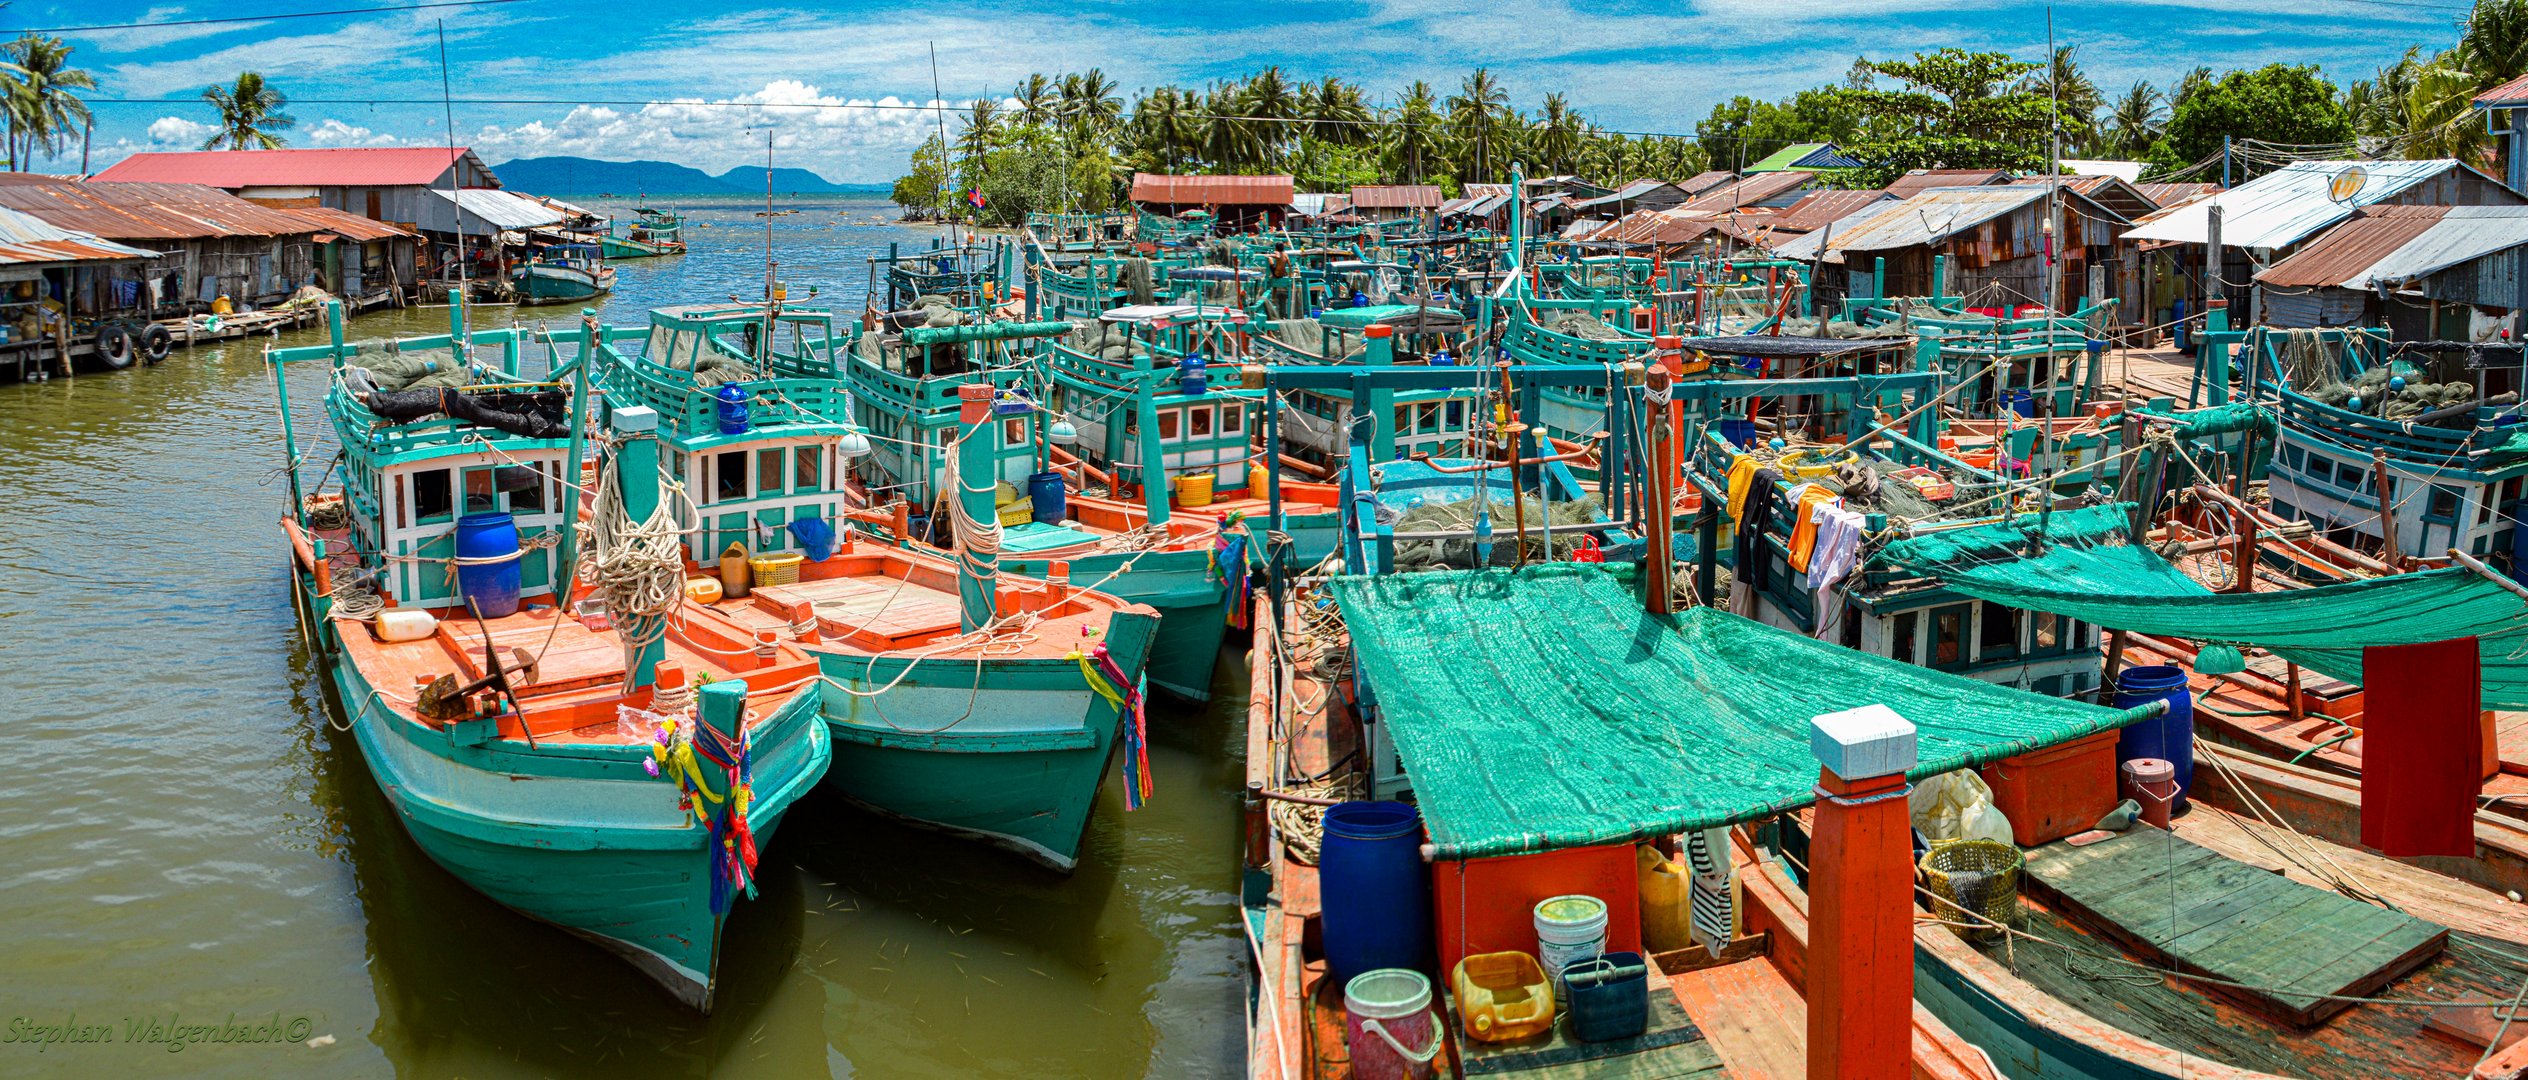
(1193, 376)
(1376, 892)
(1045, 498)
(1738, 432)
(732, 399)
(2018, 401)
(491, 588)
(2168, 736)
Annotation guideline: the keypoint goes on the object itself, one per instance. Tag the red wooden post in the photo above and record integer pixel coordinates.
(2422, 748)
(1860, 899)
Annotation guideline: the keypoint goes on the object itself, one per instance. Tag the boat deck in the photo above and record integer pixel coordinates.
(878, 600)
(2080, 964)
(2288, 945)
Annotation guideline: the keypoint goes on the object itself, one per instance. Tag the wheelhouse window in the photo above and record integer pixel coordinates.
(768, 470)
(1900, 636)
(434, 497)
(1167, 426)
(1948, 637)
(730, 483)
(528, 496)
(1232, 417)
(1998, 637)
(808, 475)
(1198, 421)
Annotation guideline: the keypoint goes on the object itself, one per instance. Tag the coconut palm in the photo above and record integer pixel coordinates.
(1036, 103)
(982, 132)
(1167, 125)
(1272, 103)
(2493, 42)
(1415, 139)
(1341, 117)
(1231, 138)
(249, 114)
(1089, 105)
(1558, 136)
(2134, 121)
(37, 81)
(1477, 111)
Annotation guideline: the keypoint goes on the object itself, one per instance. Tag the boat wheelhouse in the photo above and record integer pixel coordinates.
(561, 274)
(650, 233)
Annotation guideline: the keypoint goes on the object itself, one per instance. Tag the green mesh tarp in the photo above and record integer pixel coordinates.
(2084, 570)
(1542, 708)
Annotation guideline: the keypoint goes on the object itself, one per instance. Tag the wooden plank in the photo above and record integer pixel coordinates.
(1751, 1014)
(2235, 922)
(1671, 1046)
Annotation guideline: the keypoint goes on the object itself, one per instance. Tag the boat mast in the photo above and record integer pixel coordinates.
(447, 108)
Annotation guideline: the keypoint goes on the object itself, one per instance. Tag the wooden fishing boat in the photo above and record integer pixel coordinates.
(990, 726)
(651, 233)
(561, 274)
(522, 749)
(907, 383)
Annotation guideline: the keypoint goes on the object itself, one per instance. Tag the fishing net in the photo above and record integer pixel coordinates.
(1461, 516)
(2397, 392)
(2080, 564)
(1542, 708)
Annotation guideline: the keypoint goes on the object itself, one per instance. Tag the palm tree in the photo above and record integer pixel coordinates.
(1476, 112)
(1231, 138)
(1557, 143)
(2493, 44)
(1414, 133)
(37, 81)
(1089, 105)
(1340, 116)
(2134, 121)
(1273, 104)
(1168, 126)
(249, 114)
(1035, 99)
(982, 132)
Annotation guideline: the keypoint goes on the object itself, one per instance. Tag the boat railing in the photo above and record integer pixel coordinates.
(692, 409)
(2419, 444)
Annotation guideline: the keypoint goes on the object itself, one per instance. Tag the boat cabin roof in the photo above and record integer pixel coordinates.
(712, 315)
(1156, 313)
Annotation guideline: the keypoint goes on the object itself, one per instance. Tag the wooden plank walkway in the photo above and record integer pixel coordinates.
(2193, 908)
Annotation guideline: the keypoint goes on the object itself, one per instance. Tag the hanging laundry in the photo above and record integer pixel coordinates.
(2422, 761)
(1804, 522)
(1835, 557)
(1753, 565)
(1742, 473)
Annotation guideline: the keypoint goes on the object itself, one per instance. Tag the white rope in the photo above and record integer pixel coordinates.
(638, 568)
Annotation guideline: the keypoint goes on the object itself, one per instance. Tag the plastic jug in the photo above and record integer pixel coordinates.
(1666, 910)
(1503, 996)
(1388, 1025)
(735, 579)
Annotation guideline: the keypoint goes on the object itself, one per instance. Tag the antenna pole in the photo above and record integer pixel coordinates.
(447, 106)
(939, 108)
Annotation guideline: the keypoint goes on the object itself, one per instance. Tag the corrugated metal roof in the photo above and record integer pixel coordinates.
(348, 225)
(2111, 192)
(1755, 188)
(2127, 171)
(1314, 203)
(2286, 205)
(500, 209)
(1820, 207)
(137, 211)
(2399, 243)
(1631, 192)
(1664, 227)
(1796, 154)
(1395, 196)
(27, 239)
(344, 166)
(2512, 92)
(1705, 181)
(1926, 218)
(2168, 195)
(1212, 190)
(1917, 181)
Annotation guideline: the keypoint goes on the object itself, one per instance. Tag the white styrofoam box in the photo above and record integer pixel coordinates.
(1856, 744)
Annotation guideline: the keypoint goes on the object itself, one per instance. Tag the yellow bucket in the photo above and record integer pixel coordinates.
(1193, 490)
(780, 569)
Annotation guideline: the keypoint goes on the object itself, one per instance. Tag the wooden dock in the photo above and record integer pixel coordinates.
(2194, 909)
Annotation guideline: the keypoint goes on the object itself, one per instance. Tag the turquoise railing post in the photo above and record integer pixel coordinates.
(1382, 399)
(978, 574)
(1878, 278)
(1154, 493)
(569, 554)
(1939, 276)
(456, 329)
(721, 706)
(636, 470)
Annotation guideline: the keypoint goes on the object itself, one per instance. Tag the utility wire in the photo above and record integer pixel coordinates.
(267, 18)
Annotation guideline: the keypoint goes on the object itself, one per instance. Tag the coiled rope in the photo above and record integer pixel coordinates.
(637, 568)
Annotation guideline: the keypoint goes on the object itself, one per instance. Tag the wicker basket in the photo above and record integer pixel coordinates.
(1981, 876)
(780, 569)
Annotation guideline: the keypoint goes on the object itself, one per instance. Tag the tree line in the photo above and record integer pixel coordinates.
(1072, 142)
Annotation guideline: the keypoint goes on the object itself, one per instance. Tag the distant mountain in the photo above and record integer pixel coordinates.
(588, 176)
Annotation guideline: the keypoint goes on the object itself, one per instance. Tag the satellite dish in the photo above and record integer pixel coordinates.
(2348, 184)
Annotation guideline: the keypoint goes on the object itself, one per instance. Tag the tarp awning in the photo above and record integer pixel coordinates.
(1543, 708)
(2085, 571)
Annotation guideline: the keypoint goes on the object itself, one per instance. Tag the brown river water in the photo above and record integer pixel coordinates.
(185, 841)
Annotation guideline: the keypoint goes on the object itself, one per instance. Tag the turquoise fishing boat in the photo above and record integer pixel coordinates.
(906, 385)
(652, 232)
(541, 737)
(561, 274)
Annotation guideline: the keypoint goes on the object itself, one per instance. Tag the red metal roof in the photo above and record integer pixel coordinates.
(25, 239)
(144, 211)
(2343, 252)
(348, 225)
(1917, 181)
(348, 166)
(2167, 195)
(1395, 196)
(2509, 93)
(1213, 190)
(1705, 181)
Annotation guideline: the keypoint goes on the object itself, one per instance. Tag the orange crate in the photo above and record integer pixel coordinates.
(2053, 793)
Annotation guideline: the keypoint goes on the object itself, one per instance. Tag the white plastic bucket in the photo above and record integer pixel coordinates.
(1569, 929)
(1389, 1026)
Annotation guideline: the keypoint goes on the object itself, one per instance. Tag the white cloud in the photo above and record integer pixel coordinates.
(332, 132)
(176, 132)
(137, 38)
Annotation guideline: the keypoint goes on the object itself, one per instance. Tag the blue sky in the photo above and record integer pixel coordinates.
(624, 79)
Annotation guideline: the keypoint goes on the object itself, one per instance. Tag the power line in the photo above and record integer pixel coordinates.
(267, 18)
